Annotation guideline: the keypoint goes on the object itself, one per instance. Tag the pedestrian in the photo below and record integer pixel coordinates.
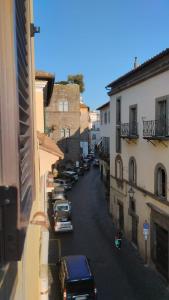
(118, 238)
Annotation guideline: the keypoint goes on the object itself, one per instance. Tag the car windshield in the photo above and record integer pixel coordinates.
(80, 286)
(62, 207)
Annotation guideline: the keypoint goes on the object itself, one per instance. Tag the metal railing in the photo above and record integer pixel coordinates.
(129, 130)
(156, 128)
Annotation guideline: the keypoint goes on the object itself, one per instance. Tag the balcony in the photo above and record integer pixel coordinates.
(156, 130)
(129, 130)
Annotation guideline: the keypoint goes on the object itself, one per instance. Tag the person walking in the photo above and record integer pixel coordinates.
(118, 238)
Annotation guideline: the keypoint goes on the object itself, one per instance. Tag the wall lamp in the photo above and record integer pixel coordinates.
(131, 192)
(34, 29)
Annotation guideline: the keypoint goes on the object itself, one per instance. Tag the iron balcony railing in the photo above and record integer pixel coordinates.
(156, 129)
(129, 130)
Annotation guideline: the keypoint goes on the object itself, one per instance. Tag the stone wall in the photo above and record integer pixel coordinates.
(57, 120)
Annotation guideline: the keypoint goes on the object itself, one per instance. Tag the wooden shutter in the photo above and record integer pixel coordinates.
(24, 102)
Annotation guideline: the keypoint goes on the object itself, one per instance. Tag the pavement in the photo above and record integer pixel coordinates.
(119, 274)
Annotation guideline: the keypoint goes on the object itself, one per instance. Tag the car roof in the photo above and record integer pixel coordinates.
(77, 267)
(61, 202)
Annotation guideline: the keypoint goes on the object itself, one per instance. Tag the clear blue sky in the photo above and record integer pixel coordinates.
(98, 38)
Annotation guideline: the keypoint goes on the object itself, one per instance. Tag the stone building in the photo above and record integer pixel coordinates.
(139, 158)
(62, 120)
(84, 128)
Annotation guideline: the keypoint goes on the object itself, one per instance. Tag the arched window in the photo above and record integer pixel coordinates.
(132, 170)
(118, 167)
(160, 182)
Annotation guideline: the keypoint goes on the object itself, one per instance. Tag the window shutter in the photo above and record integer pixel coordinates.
(25, 136)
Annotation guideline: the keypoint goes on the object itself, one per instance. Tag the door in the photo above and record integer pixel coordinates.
(133, 120)
(162, 118)
(121, 217)
(162, 250)
(134, 230)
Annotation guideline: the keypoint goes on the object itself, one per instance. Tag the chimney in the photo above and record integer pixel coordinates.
(135, 62)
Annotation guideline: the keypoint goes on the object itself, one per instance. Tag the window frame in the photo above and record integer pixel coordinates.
(132, 172)
(157, 189)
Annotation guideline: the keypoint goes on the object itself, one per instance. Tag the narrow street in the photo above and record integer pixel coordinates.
(119, 274)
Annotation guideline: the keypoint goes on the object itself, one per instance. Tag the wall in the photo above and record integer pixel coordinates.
(146, 154)
(70, 119)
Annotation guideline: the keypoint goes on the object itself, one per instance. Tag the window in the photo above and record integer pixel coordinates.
(118, 125)
(101, 117)
(105, 117)
(109, 116)
(161, 122)
(133, 120)
(160, 182)
(94, 136)
(63, 105)
(118, 167)
(132, 170)
(62, 133)
(65, 132)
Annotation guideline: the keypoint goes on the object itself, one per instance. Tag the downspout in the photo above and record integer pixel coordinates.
(44, 249)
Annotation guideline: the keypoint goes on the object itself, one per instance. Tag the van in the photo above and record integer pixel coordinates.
(76, 278)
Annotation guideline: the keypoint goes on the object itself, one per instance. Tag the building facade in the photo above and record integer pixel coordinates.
(62, 118)
(139, 164)
(104, 144)
(94, 126)
(19, 276)
(84, 129)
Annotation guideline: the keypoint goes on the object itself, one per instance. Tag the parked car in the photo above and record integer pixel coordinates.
(58, 194)
(62, 216)
(96, 163)
(71, 174)
(86, 166)
(62, 206)
(76, 278)
(61, 225)
(66, 183)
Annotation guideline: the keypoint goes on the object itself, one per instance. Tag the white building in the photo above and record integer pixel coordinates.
(139, 158)
(94, 127)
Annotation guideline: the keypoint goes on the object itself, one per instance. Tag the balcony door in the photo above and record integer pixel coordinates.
(161, 126)
(133, 120)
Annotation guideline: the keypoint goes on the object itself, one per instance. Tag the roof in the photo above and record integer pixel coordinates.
(104, 105)
(77, 267)
(50, 78)
(47, 144)
(83, 105)
(148, 69)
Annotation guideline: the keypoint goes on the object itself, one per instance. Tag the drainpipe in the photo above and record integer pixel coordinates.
(44, 286)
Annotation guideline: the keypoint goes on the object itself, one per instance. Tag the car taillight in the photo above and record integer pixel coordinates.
(64, 295)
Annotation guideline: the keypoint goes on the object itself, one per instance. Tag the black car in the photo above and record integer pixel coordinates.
(76, 278)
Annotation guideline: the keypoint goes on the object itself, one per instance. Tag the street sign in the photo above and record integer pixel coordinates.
(146, 225)
(146, 228)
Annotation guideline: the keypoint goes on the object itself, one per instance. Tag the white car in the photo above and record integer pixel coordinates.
(61, 226)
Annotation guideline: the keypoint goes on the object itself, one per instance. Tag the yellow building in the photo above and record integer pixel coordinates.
(23, 222)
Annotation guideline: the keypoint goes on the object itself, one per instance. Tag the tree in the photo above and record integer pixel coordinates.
(78, 79)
